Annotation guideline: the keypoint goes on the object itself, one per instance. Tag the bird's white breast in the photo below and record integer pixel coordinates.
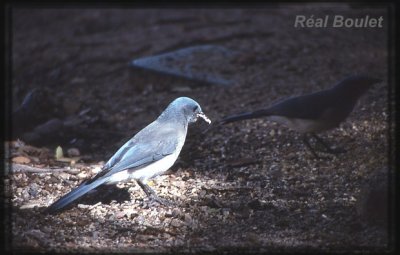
(147, 172)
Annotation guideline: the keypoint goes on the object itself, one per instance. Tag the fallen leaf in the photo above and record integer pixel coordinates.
(59, 153)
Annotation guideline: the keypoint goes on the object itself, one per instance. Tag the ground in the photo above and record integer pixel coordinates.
(251, 185)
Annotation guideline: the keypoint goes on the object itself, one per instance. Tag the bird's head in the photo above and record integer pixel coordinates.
(190, 109)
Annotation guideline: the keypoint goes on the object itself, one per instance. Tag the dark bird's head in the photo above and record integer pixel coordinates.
(186, 107)
(356, 85)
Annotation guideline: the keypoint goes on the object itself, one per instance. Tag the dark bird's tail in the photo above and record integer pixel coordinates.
(84, 188)
(245, 116)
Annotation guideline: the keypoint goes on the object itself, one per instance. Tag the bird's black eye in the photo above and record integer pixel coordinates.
(195, 108)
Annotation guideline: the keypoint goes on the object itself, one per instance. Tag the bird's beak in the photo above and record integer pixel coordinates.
(204, 117)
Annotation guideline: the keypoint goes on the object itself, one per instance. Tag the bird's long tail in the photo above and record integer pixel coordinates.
(84, 188)
(245, 116)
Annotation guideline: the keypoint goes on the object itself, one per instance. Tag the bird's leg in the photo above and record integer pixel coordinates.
(305, 140)
(327, 147)
(152, 194)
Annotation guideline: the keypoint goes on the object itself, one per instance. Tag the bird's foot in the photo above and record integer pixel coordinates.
(162, 201)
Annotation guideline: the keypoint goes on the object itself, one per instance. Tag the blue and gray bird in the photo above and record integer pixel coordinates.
(315, 112)
(151, 152)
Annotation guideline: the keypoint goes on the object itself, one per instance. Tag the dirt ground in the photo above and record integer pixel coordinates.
(247, 186)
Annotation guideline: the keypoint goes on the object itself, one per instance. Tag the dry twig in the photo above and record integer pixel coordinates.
(31, 169)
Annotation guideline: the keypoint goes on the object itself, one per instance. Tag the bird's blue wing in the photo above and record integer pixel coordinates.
(141, 151)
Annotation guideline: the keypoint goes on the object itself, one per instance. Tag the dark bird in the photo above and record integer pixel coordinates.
(151, 152)
(315, 112)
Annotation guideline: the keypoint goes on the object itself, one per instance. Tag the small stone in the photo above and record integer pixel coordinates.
(202, 193)
(131, 213)
(33, 190)
(120, 214)
(82, 206)
(188, 219)
(176, 212)
(95, 235)
(96, 169)
(63, 176)
(73, 152)
(82, 175)
(54, 179)
(30, 206)
(176, 223)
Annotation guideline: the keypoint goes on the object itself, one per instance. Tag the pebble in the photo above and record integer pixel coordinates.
(82, 175)
(33, 190)
(30, 206)
(176, 212)
(176, 223)
(120, 214)
(188, 219)
(54, 179)
(73, 152)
